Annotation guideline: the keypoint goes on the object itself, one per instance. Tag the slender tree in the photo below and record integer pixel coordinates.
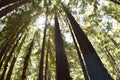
(40, 75)
(62, 67)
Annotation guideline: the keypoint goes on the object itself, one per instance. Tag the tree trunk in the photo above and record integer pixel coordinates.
(10, 40)
(40, 75)
(7, 2)
(14, 60)
(95, 68)
(62, 67)
(11, 8)
(11, 68)
(86, 76)
(9, 58)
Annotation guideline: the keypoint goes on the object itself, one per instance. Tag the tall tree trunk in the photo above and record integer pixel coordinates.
(5, 49)
(95, 68)
(8, 77)
(9, 57)
(27, 57)
(12, 7)
(6, 2)
(11, 68)
(40, 75)
(86, 76)
(62, 67)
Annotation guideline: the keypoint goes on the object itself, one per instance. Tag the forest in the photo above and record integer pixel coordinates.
(59, 39)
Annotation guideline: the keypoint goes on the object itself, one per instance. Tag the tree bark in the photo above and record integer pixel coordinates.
(86, 76)
(62, 67)
(3, 3)
(5, 11)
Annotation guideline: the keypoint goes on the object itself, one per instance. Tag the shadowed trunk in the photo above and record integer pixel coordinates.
(62, 67)
(86, 76)
(11, 68)
(6, 2)
(95, 68)
(11, 8)
(40, 75)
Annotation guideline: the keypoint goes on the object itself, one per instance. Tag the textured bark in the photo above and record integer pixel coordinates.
(6, 2)
(62, 67)
(95, 68)
(5, 11)
(86, 76)
(27, 57)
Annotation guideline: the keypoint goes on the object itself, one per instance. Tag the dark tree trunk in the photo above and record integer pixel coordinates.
(27, 57)
(40, 75)
(62, 67)
(95, 68)
(11, 8)
(86, 76)
(11, 68)
(6, 2)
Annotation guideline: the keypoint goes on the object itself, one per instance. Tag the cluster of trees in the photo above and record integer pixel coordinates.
(47, 54)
